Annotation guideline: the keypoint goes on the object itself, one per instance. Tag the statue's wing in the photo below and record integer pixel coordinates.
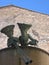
(8, 30)
(24, 27)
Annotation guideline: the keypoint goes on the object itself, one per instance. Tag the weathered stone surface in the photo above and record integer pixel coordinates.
(40, 24)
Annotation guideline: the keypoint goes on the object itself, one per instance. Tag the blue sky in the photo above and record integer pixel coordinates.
(41, 6)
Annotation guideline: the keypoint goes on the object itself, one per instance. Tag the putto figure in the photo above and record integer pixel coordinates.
(23, 39)
(24, 36)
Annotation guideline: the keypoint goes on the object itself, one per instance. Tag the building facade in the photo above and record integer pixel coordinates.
(40, 24)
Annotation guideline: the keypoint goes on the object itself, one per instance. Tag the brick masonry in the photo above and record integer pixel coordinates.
(40, 24)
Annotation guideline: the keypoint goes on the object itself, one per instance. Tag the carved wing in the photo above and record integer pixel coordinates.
(8, 30)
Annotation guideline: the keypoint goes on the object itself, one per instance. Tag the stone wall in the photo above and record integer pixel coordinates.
(40, 24)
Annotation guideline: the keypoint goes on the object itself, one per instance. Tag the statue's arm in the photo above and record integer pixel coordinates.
(33, 41)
